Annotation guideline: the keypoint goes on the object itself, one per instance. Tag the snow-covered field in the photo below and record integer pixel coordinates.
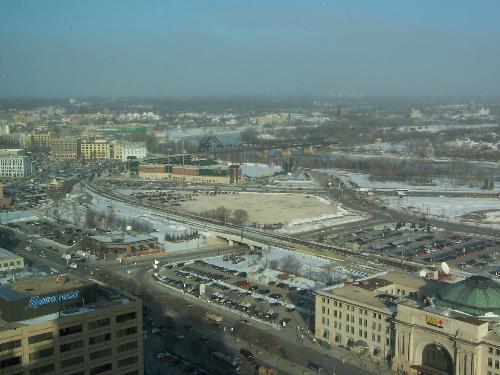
(160, 225)
(259, 170)
(309, 272)
(450, 208)
(438, 184)
(434, 128)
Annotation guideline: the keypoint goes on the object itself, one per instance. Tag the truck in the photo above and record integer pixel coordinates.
(263, 370)
(213, 316)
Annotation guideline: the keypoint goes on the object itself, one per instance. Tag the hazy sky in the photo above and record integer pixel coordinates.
(245, 47)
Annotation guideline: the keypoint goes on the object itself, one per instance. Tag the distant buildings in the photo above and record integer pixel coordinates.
(13, 163)
(68, 326)
(415, 114)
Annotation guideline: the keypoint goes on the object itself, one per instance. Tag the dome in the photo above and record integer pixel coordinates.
(476, 295)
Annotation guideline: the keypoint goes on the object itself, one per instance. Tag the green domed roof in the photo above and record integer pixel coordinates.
(476, 295)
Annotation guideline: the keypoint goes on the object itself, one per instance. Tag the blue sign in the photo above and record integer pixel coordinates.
(37, 301)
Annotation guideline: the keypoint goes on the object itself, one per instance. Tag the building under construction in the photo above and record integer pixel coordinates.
(187, 168)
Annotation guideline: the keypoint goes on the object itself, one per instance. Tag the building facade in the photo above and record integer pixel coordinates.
(420, 326)
(138, 151)
(73, 328)
(95, 150)
(65, 147)
(15, 166)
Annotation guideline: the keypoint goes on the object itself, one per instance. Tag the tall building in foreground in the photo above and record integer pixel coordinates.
(422, 326)
(70, 326)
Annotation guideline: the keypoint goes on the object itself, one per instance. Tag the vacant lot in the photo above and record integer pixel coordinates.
(265, 208)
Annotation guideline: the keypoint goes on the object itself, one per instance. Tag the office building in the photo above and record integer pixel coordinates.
(137, 150)
(65, 147)
(98, 149)
(14, 164)
(67, 325)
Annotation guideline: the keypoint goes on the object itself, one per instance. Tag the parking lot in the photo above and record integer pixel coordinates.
(419, 244)
(276, 303)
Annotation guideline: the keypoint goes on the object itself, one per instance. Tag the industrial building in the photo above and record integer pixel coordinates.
(125, 244)
(421, 326)
(67, 325)
(187, 168)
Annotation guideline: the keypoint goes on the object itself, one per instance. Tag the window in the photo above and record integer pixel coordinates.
(9, 345)
(497, 351)
(126, 317)
(4, 363)
(365, 334)
(497, 364)
(39, 338)
(71, 361)
(133, 344)
(347, 328)
(70, 330)
(41, 354)
(335, 313)
(128, 361)
(360, 333)
(352, 330)
(100, 353)
(126, 331)
(71, 346)
(323, 308)
(373, 337)
(360, 320)
(100, 323)
(378, 338)
(99, 338)
(101, 368)
(42, 369)
(335, 324)
(347, 317)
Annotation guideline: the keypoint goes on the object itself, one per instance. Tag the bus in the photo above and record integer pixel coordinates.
(224, 360)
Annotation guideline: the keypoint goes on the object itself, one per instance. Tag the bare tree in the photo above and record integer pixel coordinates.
(240, 216)
(290, 264)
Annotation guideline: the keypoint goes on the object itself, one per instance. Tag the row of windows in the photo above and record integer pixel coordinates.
(491, 350)
(348, 307)
(490, 363)
(78, 328)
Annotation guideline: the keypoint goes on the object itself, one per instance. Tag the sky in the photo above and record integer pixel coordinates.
(213, 48)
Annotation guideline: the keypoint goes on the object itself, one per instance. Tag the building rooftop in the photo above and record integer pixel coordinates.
(476, 295)
(359, 294)
(27, 287)
(5, 254)
(117, 238)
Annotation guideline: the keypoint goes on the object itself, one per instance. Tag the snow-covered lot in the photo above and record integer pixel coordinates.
(298, 269)
(450, 208)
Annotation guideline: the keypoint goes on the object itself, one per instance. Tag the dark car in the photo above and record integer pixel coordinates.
(188, 328)
(246, 353)
(314, 366)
